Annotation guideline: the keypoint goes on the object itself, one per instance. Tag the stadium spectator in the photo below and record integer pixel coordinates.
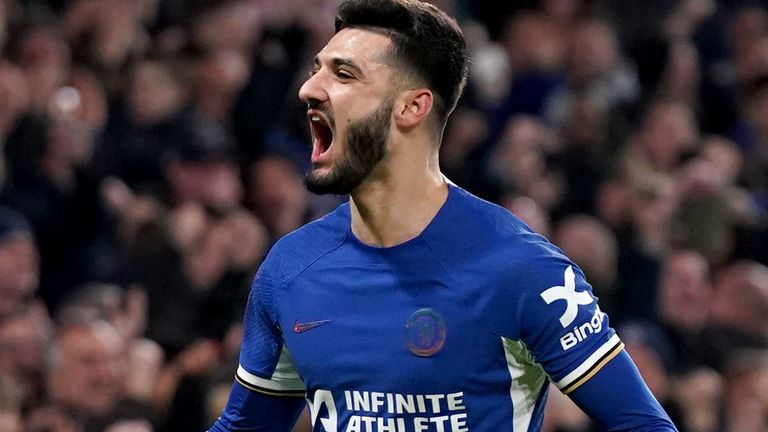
(586, 155)
(141, 122)
(126, 311)
(19, 263)
(529, 212)
(216, 78)
(517, 163)
(277, 195)
(667, 134)
(738, 312)
(699, 394)
(24, 338)
(200, 166)
(596, 72)
(746, 392)
(593, 246)
(684, 293)
(50, 157)
(87, 371)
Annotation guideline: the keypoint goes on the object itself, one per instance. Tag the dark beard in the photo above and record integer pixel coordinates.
(366, 146)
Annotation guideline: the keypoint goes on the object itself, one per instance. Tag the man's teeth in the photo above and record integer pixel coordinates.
(315, 118)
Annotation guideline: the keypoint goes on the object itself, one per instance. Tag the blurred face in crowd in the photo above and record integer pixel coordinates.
(350, 107)
(45, 59)
(591, 244)
(14, 96)
(753, 63)
(532, 43)
(740, 297)
(19, 271)
(215, 183)
(206, 261)
(746, 394)
(154, 92)
(23, 339)
(594, 51)
(519, 156)
(217, 78)
(529, 212)
(684, 290)
(240, 18)
(651, 204)
(747, 26)
(220, 71)
(87, 368)
(249, 239)
(668, 130)
(277, 195)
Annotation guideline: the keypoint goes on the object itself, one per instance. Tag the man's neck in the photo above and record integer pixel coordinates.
(394, 209)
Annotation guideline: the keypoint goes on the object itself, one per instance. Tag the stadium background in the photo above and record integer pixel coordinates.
(154, 149)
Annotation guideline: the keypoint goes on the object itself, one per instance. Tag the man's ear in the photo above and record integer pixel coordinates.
(412, 107)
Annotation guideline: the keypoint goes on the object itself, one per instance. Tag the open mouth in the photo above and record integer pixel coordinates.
(322, 134)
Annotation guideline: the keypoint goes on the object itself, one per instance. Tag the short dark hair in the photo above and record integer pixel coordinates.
(427, 43)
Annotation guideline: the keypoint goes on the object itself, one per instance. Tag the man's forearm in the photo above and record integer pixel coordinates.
(249, 410)
(617, 398)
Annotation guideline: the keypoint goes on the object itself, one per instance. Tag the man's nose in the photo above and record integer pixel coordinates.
(312, 91)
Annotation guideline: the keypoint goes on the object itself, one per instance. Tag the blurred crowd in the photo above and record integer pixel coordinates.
(153, 150)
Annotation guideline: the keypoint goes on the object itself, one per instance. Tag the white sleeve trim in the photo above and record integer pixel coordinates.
(609, 349)
(285, 378)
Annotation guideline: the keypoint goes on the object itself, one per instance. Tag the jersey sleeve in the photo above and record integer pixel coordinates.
(268, 392)
(618, 400)
(265, 364)
(561, 324)
(560, 321)
(248, 410)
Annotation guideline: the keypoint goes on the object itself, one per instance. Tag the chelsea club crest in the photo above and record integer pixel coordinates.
(425, 332)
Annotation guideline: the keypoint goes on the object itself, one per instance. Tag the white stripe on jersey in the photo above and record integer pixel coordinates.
(528, 381)
(285, 378)
(610, 348)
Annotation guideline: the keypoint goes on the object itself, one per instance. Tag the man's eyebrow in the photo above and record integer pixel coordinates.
(341, 61)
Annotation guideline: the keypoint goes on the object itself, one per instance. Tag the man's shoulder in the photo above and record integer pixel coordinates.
(319, 231)
(480, 224)
(300, 248)
(486, 216)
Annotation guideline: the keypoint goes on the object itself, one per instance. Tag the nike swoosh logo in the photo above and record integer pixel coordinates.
(302, 327)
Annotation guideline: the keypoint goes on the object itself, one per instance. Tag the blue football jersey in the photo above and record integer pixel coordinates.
(459, 329)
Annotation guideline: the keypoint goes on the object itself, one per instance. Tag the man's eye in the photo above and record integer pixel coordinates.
(344, 75)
